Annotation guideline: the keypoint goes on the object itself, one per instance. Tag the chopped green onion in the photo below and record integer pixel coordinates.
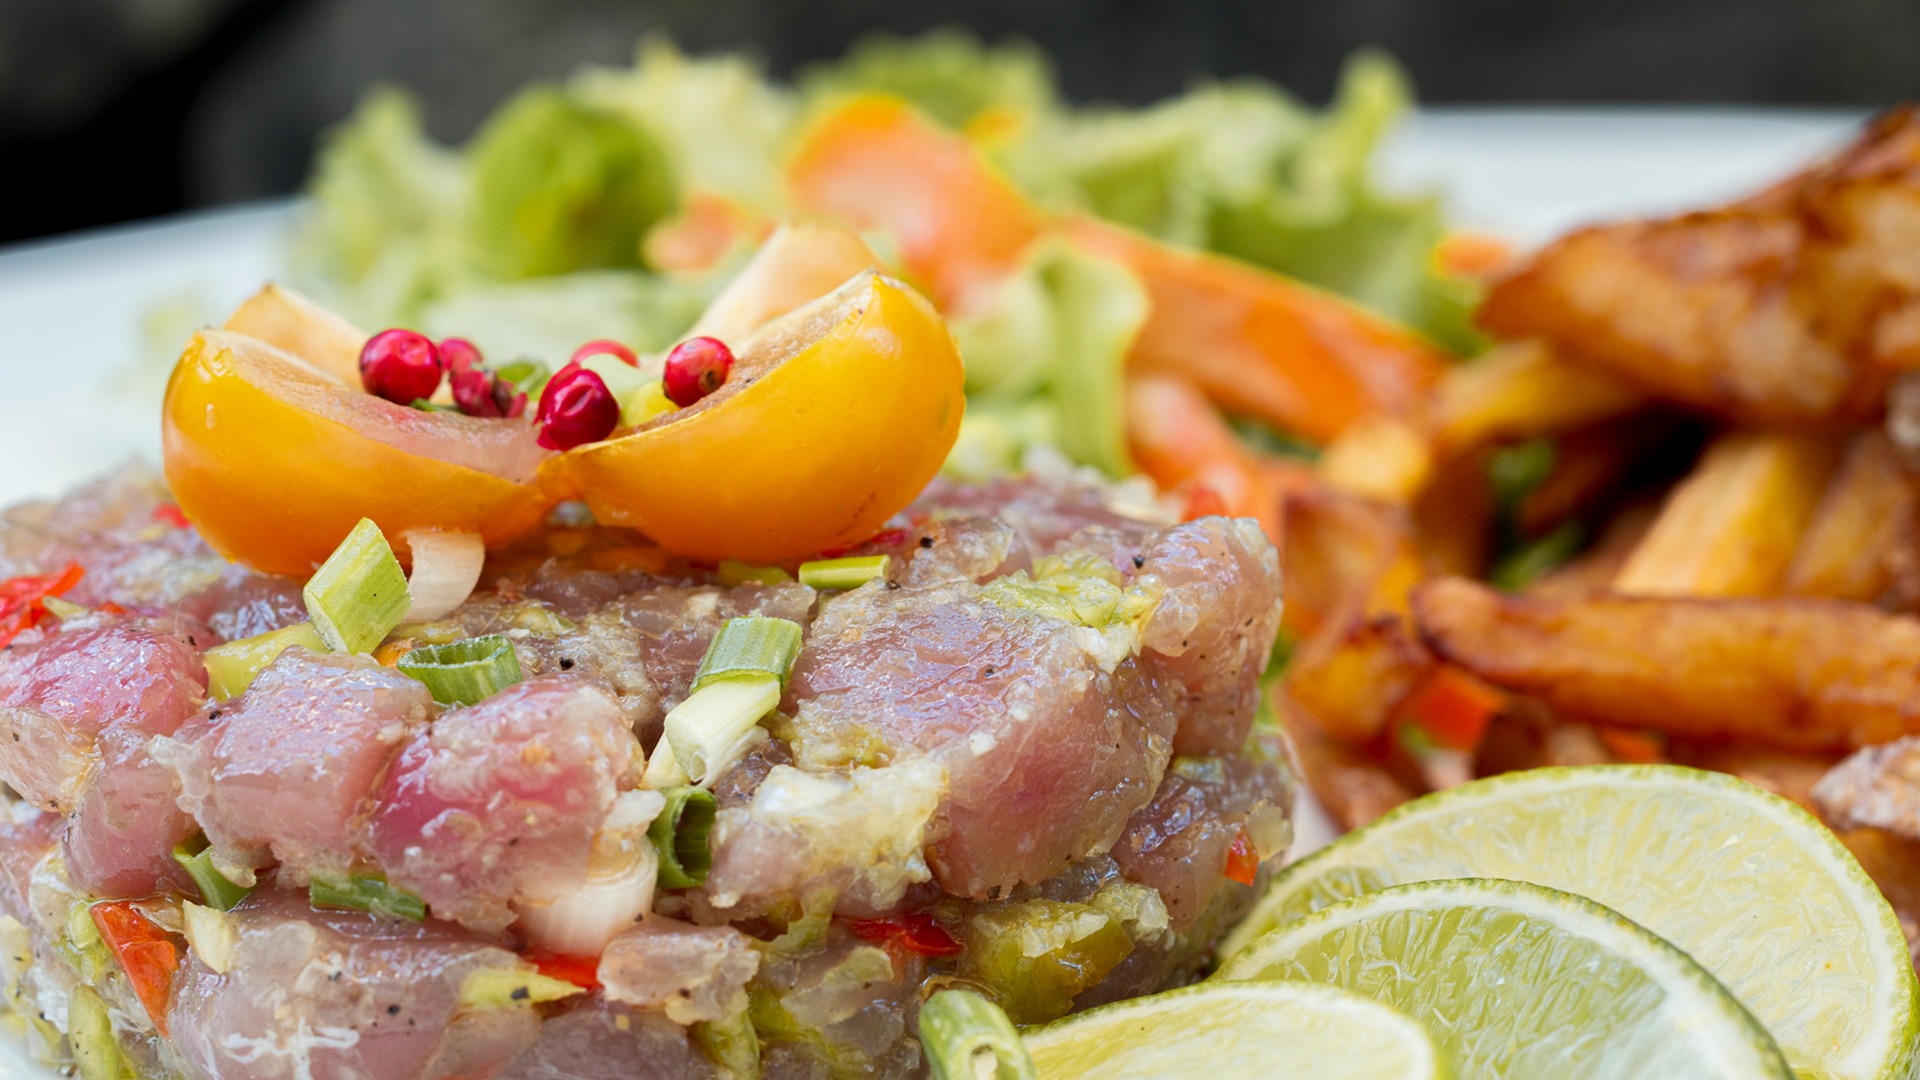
(848, 573)
(719, 723)
(197, 859)
(964, 1034)
(359, 594)
(495, 988)
(733, 1043)
(735, 572)
(464, 672)
(663, 769)
(96, 1053)
(369, 893)
(1515, 472)
(1516, 569)
(527, 376)
(232, 667)
(752, 645)
(679, 835)
(426, 405)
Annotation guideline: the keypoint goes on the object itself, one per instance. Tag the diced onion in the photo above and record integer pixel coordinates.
(446, 567)
(499, 988)
(211, 936)
(618, 890)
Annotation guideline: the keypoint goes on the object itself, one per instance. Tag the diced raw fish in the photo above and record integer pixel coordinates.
(1048, 747)
(337, 995)
(599, 1040)
(501, 801)
(691, 972)
(1179, 843)
(58, 694)
(286, 771)
(120, 840)
(1214, 626)
(26, 835)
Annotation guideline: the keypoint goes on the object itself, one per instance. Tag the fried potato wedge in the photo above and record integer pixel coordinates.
(1350, 784)
(1797, 674)
(1520, 389)
(1787, 308)
(1860, 543)
(1353, 675)
(1731, 527)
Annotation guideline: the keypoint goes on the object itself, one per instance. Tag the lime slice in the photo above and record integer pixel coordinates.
(1749, 884)
(1517, 982)
(1231, 1031)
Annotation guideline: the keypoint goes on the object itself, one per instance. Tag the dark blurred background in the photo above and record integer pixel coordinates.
(112, 110)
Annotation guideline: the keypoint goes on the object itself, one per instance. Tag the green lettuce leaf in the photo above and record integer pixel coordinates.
(721, 122)
(1047, 362)
(560, 186)
(948, 74)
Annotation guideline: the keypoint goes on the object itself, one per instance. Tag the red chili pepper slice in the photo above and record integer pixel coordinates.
(581, 971)
(1453, 707)
(23, 600)
(1243, 862)
(144, 951)
(916, 932)
(170, 514)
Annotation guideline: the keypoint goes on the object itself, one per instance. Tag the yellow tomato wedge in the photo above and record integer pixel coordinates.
(800, 263)
(876, 162)
(274, 460)
(291, 322)
(833, 419)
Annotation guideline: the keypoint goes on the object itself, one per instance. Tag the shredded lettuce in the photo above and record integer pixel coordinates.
(1047, 361)
(991, 91)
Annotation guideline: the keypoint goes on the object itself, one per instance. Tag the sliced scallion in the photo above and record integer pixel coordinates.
(369, 893)
(464, 672)
(848, 573)
(679, 835)
(967, 1037)
(232, 667)
(719, 723)
(359, 594)
(735, 572)
(197, 859)
(752, 645)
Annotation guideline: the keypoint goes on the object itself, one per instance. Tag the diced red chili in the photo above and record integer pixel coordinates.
(169, 514)
(145, 953)
(1243, 862)
(916, 932)
(23, 600)
(581, 971)
(1452, 707)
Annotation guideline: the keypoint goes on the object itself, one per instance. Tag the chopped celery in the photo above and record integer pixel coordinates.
(964, 1032)
(1037, 954)
(735, 572)
(231, 668)
(494, 988)
(751, 645)
(464, 672)
(359, 594)
(719, 723)
(197, 858)
(96, 1053)
(679, 834)
(848, 573)
(369, 893)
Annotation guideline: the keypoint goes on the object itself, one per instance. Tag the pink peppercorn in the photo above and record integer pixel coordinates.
(576, 408)
(695, 368)
(401, 366)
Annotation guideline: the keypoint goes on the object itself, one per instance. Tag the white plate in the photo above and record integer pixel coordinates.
(82, 378)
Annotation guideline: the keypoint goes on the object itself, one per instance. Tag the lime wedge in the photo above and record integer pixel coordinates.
(1237, 1031)
(1749, 884)
(1517, 982)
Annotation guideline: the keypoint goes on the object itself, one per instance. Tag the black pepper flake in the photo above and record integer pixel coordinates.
(214, 715)
(1139, 561)
(393, 1010)
(926, 541)
(566, 663)
(893, 586)
(520, 993)
(987, 671)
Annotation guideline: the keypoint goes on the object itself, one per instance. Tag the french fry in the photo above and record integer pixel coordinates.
(1353, 786)
(1792, 673)
(1379, 457)
(1862, 529)
(1730, 528)
(1453, 517)
(1354, 675)
(1520, 389)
